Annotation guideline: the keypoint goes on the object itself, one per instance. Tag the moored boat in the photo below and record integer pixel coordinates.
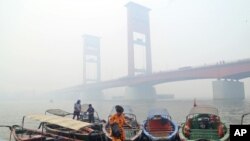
(68, 127)
(160, 126)
(97, 124)
(24, 134)
(203, 123)
(132, 133)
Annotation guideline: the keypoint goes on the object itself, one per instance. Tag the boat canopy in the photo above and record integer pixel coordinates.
(84, 107)
(204, 109)
(60, 121)
(58, 112)
(158, 111)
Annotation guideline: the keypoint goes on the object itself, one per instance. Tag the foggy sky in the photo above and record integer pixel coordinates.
(41, 43)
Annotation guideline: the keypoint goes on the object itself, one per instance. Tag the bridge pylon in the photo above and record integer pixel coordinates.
(91, 66)
(228, 89)
(139, 44)
(91, 59)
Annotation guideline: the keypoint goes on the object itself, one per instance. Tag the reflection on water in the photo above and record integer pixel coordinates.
(11, 112)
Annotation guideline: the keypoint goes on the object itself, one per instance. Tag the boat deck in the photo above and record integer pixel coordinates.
(160, 133)
(130, 133)
(205, 133)
(157, 129)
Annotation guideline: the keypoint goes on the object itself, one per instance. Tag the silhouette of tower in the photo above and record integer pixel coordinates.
(91, 59)
(138, 36)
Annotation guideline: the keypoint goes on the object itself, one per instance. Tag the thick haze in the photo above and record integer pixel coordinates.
(41, 45)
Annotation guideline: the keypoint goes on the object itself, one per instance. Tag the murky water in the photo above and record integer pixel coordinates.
(11, 112)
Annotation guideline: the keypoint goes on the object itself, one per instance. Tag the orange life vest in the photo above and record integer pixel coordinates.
(220, 130)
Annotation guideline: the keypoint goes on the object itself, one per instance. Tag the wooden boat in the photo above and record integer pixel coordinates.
(242, 118)
(23, 134)
(97, 125)
(131, 134)
(160, 126)
(68, 127)
(203, 123)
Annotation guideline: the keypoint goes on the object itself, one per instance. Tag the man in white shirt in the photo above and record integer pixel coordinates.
(77, 109)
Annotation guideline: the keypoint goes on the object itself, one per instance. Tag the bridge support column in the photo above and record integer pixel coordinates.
(92, 95)
(228, 89)
(144, 92)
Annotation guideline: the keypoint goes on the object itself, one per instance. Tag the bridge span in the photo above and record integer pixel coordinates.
(227, 75)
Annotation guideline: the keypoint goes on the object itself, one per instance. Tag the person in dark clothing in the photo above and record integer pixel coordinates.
(91, 111)
(77, 109)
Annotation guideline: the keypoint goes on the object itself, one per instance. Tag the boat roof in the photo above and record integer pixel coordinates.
(158, 111)
(58, 112)
(60, 121)
(204, 109)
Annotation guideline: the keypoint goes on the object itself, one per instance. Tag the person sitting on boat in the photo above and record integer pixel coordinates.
(118, 119)
(77, 110)
(91, 111)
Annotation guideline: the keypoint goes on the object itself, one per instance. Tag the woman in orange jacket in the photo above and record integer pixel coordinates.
(119, 119)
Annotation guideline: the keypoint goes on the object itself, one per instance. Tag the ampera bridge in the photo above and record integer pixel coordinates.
(140, 82)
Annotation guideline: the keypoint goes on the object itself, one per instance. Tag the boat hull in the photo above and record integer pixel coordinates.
(92, 136)
(24, 134)
(131, 134)
(202, 134)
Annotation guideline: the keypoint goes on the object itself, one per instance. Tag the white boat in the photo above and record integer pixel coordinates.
(131, 134)
(203, 123)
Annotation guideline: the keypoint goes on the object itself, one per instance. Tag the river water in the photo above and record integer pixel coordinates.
(11, 112)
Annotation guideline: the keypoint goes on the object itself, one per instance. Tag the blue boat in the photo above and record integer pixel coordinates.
(159, 126)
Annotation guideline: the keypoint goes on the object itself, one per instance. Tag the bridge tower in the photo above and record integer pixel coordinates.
(91, 66)
(91, 59)
(139, 50)
(138, 39)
